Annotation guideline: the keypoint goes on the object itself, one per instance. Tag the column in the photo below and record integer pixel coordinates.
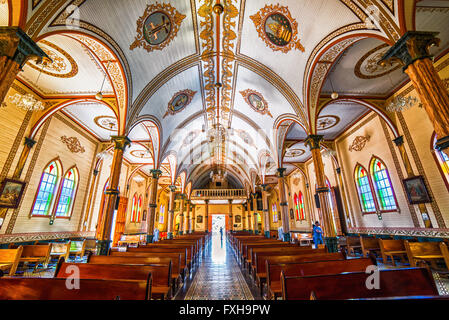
(399, 141)
(181, 214)
(412, 51)
(266, 213)
(250, 221)
(256, 222)
(155, 174)
(15, 50)
(206, 220)
(231, 218)
(29, 143)
(348, 222)
(244, 221)
(285, 220)
(111, 194)
(327, 220)
(92, 189)
(192, 220)
(171, 212)
(187, 219)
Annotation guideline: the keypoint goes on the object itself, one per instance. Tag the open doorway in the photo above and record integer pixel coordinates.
(218, 242)
(218, 221)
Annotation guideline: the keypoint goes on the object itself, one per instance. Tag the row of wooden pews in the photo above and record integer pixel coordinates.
(153, 271)
(292, 272)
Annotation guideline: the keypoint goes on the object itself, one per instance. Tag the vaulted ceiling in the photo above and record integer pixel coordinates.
(235, 84)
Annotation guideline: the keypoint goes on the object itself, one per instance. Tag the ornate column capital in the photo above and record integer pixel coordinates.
(230, 201)
(155, 173)
(413, 45)
(280, 172)
(206, 201)
(96, 172)
(29, 142)
(399, 141)
(172, 188)
(313, 141)
(264, 186)
(18, 46)
(121, 142)
(338, 170)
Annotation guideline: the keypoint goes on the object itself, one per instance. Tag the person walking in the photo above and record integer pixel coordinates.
(221, 233)
(317, 234)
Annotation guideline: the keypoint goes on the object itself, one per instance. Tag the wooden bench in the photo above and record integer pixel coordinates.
(60, 250)
(165, 250)
(89, 289)
(427, 251)
(352, 285)
(309, 268)
(37, 254)
(77, 249)
(353, 245)
(162, 280)
(392, 248)
(9, 260)
(129, 240)
(90, 246)
(369, 245)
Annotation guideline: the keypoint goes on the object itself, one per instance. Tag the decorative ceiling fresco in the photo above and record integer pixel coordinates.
(204, 84)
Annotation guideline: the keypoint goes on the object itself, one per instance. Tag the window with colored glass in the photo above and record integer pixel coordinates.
(46, 191)
(66, 197)
(364, 190)
(382, 184)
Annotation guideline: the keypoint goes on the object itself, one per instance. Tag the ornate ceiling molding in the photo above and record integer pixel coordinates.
(359, 143)
(368, 68)
(152, 39)
(73, 144)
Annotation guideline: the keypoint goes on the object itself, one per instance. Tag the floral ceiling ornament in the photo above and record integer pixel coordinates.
(179, 101)
(157, 27)
(359, 143)
(277, 28)
(256, 101)
(107, 122)
(327, 122)
(73, 144)
(368, 68)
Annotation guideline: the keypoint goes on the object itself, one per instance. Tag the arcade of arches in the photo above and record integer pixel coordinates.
(144, 120)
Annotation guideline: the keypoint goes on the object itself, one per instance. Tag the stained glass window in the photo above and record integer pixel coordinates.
(302, 215)
(139, 209)
(443, 160)
(134, 209)
(296, 199)
(382, 184)
(67, 194)
(161, 214)
(47, 188)
(364, 190)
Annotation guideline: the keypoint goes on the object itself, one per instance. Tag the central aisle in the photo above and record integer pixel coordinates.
(219, 276)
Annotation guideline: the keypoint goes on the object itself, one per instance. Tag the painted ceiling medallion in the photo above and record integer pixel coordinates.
(179, 101)
(141, 154)
(73, 144)
(256, 101)
(245, 137)
(367, 67)
(107, 123)
(157, 27)
(191, 136)
(327, 122)
(62, 65)
(359, 143)
(277, 28)
(294, 153)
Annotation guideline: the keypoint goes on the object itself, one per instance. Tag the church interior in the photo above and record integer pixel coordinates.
(224, 149)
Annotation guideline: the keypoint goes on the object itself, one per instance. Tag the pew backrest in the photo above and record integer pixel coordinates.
(10, 259)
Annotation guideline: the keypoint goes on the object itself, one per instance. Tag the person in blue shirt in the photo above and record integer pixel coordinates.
(317, 234)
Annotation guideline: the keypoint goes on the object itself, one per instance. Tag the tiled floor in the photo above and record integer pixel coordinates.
(218, 277)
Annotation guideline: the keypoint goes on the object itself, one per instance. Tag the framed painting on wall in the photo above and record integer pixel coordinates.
(11, 192)
(416, 190)
(199, 219)
(238, 219)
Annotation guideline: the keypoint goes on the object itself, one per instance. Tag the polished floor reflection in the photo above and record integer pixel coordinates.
(219, 277)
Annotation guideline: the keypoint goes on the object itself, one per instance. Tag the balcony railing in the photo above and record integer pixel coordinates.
(219, 194)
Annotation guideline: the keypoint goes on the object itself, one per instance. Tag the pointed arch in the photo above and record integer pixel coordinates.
(385, 195)
(364, 189)
(46, 194)
(67, 193)
(134, 204)
(441, 159)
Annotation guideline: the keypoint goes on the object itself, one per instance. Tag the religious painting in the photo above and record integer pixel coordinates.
(157, 27)
(238, 219)
(10, 193)
(277, 28)
(199, 219)
(256, 101)
(292, 215)
(144, 216)
(416, 190)
(179, 101)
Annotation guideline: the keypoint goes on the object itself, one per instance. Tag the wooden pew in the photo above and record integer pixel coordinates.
(427, 251)
(309, 268)
(186, 250)
(353, 245)
(161, 288)
(89, 289)
(392, 248)
(77, 249)
(37, 254)
(369, 245)
(392, 283)
(60, 250)
(182, 251)
(9, 260)
(129, 240)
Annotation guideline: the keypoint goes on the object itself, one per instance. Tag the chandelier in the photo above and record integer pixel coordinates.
(400, 103)
(218, 176)
(27, 102)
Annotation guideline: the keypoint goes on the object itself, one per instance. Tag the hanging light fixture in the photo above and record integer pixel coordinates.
(99, 95)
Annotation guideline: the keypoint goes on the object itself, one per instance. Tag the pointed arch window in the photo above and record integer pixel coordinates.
(364, 189)
(139, 209)
(134, 208)
(67, 194)
(442, 161)
(46, 192)
(385, 196)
